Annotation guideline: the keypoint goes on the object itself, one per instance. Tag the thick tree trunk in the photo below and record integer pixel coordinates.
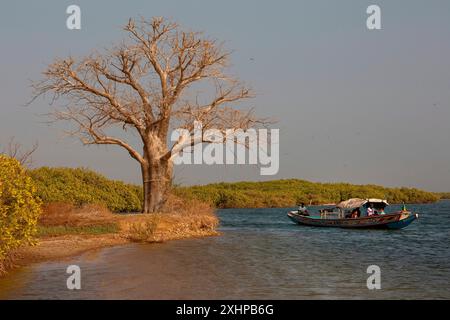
(156, 176)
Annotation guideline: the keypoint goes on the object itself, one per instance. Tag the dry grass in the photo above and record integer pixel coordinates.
(167, 226)
(63, 214)
(179, 219)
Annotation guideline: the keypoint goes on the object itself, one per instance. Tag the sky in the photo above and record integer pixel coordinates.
(352, 104)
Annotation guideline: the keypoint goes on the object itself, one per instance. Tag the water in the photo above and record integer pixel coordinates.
(260, 255)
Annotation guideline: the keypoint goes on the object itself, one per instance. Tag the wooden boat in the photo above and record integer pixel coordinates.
(339, 216)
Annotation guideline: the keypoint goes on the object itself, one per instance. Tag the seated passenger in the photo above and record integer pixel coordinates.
(370, 210)
(302, 210)
(381, 211)
(356, 213)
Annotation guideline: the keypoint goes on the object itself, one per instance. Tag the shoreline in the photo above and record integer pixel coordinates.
(53, 249)
(61, 247)
(65, 232)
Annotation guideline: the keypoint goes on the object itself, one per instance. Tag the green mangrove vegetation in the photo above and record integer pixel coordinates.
(82, 186)
(444, 195)
(288, 193)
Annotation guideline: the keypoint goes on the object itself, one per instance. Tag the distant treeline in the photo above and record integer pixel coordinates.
(444, 195)
(288, 193)
(82, 186)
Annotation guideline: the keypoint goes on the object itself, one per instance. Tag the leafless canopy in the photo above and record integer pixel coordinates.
(141, 84)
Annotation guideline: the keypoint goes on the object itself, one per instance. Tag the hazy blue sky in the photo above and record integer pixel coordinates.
(352, 105)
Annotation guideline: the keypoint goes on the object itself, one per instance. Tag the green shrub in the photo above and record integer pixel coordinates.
(444, 195)
(82, 186)
(288, 193)
(19, 206)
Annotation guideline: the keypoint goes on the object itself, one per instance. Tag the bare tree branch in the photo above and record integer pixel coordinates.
(15, 150)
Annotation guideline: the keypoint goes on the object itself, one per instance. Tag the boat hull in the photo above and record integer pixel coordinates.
(397, 220)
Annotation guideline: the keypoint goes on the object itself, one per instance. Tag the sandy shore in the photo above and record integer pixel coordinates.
(56, 248)
(62, 247)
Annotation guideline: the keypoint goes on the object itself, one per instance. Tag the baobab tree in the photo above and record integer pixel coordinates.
(159, 78)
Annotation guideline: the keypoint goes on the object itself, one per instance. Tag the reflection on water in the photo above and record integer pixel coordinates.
(260, 255)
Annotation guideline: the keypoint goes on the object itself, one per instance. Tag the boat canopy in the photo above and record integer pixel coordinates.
(356, 203)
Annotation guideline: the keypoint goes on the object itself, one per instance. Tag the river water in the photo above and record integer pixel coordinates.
(260, 255)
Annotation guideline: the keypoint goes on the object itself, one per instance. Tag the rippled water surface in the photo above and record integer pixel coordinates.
(261, 254)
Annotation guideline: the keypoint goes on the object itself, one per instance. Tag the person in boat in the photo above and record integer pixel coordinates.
(381, 211)
(352, 214)
(370, 210)
(356, 213)
(302, 210)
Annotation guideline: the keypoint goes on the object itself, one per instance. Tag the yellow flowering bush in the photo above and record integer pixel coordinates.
(19, 206)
